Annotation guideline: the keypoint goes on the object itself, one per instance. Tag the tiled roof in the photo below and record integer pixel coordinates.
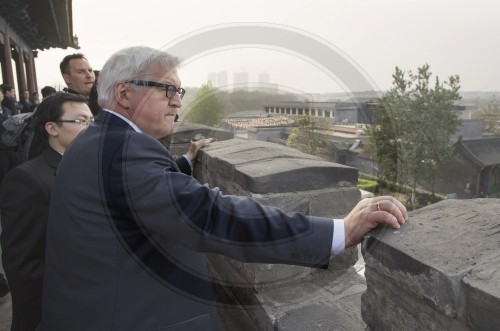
(41, 24)
(485, 151)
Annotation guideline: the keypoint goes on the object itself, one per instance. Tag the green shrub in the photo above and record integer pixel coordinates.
(368, 185)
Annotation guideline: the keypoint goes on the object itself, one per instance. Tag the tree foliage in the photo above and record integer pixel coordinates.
(241, 100)
(305, 137)
(206, 108)
(410, 141)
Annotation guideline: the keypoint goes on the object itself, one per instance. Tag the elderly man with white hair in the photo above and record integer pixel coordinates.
(127, 229)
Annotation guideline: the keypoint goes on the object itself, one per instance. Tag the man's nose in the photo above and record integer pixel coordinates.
(176, 101)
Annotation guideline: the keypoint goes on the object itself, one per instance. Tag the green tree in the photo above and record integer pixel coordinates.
(490, 115)
(206, 108)
(305, 137)
(410, 141)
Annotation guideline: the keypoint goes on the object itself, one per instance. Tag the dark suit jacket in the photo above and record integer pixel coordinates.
(125, 231)
(24, 203)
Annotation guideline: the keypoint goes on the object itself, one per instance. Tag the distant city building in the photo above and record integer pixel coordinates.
(240, 80)
(353, 111)
(319, 109)
(212, 78)
(356, 110)
(263, 78)
(264, 85)
(222, 79)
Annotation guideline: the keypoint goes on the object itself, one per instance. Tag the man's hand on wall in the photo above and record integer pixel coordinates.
(371, 212)
(195, 146)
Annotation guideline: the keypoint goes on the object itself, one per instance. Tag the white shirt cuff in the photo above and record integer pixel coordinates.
(189, 160)
(338, 242)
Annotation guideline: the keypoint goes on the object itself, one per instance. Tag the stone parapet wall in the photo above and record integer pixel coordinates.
(246, 167)
(440, 271)
(285, 297)
(180, 140)
(266, 133)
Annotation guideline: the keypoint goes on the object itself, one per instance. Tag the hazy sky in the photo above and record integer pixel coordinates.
(454, 37)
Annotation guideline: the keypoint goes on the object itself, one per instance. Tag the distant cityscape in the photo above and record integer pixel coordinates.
(471, 100)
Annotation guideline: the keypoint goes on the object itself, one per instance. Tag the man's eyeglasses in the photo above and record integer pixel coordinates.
(171, 89)
(81, 122)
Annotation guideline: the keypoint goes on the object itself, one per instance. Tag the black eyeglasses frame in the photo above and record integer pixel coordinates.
(170, 90)
(81, 122)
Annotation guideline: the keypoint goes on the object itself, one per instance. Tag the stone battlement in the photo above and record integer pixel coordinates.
(439, 271)
(284, 296)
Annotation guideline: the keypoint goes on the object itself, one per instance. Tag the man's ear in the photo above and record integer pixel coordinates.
(121, 95)
(50, 127)
(66, 78)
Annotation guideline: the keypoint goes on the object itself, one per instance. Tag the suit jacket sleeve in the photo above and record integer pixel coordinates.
(184, 166)
(177, 207)
(23, 202)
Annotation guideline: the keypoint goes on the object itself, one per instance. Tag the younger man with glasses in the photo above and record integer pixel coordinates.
(24, 202)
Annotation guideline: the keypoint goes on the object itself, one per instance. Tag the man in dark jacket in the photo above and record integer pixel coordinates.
(9, 100)
(77, 74)
(4, 111)
(79, 77)
(125, 240)
(24, 203)
(47, 90)
(25, 102)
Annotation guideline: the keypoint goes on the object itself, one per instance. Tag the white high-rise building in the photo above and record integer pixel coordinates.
(240, 80)
(212, 78)
(263, 78)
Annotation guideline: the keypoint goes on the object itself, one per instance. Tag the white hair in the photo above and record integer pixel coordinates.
(128, 64)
